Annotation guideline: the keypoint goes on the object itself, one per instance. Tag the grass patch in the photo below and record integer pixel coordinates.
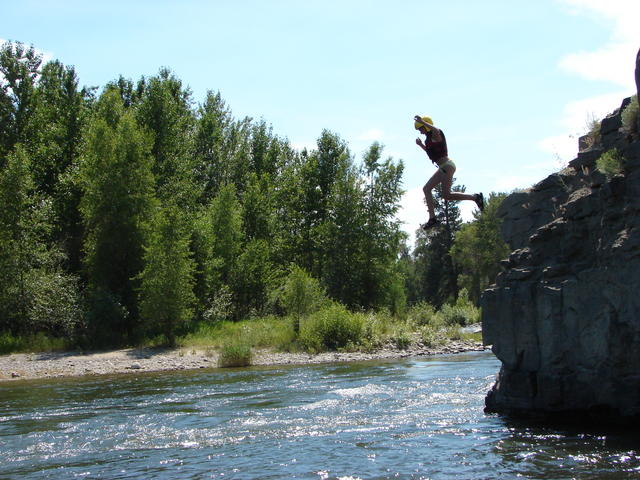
(630, 115)
(333, 328)
(610, 163)
(265, 332)
(235, 354)
(38, 342)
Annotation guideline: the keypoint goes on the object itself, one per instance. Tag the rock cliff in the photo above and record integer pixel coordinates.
(564, 315)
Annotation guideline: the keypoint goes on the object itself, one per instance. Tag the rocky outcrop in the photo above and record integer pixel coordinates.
(638, 73)
(564, 315)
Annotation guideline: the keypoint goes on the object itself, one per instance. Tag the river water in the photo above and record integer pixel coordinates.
(417, 418)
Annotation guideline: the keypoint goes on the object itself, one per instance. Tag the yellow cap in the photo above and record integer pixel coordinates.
(426, 119)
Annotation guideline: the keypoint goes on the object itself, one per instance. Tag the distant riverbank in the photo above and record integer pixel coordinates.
(19, 366)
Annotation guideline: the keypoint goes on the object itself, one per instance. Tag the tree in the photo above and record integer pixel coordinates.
(118, 199)
(165, 110)
(60, 114)
(35, 293)
(19, 68)
(16, 239)
(435, 269)
(166, 282)
(478, 249)
(382, 194)
(222, 226)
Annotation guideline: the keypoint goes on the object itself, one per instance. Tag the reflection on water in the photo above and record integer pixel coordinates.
(418, 418)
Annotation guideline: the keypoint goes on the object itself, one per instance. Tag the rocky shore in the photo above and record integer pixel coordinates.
(20, 366)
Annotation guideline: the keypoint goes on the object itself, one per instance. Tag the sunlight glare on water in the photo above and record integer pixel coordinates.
(419, 418)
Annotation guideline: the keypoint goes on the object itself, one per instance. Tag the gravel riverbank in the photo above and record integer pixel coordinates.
(20, 366)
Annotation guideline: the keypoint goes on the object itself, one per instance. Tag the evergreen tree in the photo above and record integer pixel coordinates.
(435, 270)
(166, 289)
(478, 249)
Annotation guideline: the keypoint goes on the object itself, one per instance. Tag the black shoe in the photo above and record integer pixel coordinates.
(430, 224)
(479, 199)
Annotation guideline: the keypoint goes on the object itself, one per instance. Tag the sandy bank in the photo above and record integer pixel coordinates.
(21, 366)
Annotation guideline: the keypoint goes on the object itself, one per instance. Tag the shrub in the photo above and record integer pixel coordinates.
(54, 305)
(220, 306)
(235, 354)
(610, 163)
(431, 336)
(422, 314)
(630, 115)
(401, 338)
(463, 312)
(301, 295)
(332, 328)
(38, 342)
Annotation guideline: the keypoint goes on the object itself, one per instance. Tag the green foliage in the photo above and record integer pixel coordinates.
(264, 332)
(300, 295)
(610, 163)
(161, 212)
(235, 354)
(117, 202)
(35, 294)
(401, 337)
(223, 222)
(19, 69)
(432, 336)
(332, 328)
(165, 110)
(434, 272)
(423, 314)
(630, 115)
(462, 312)
(478, 249)
(166, 290)
(34, 342)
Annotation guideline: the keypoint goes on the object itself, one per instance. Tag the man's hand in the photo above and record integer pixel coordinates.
(419, 142)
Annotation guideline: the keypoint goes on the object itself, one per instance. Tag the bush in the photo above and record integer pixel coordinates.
(463, 312)
(332, 328)
(54, 304)
(220, 306)
(630, 115)
(401, 338)
(38, 342)
(422, 314)
(235, 354)
(301, 295)
(431, 336)
(610, 163)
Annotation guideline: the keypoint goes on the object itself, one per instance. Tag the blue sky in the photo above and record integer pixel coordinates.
(511, 82)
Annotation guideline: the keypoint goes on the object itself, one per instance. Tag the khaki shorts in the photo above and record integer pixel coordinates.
(446, 162)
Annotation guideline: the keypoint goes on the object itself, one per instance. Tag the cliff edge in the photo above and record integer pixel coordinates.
(564, 315)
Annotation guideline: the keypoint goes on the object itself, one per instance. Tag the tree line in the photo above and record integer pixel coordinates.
(132, 210)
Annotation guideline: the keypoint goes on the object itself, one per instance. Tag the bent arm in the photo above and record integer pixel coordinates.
(435, 131)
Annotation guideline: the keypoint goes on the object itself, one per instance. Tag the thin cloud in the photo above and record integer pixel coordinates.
(614, 61)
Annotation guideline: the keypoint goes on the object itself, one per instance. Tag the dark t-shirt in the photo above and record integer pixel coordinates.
(436, 150)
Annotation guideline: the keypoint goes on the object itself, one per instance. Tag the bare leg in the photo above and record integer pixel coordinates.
(447, 194)
(433, 182)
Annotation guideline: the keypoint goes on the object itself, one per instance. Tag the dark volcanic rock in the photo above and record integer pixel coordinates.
(564, 315)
